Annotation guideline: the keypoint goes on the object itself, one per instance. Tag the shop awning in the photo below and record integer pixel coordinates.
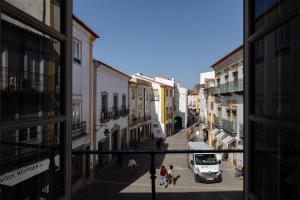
(215, 131)
(221, 135)
(227, 140)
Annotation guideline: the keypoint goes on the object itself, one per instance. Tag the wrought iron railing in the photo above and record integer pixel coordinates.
(229, 126)
(113, 113)
(241, 130)
(233, 86)
(218, 121)
(12, 79)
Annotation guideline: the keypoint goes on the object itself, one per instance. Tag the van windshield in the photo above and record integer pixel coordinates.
(206, 159)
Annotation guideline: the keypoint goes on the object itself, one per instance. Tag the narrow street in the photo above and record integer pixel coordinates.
(115, 182)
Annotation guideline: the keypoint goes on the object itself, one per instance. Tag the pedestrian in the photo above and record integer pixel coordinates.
(171, 175)
(131, 165)
(163, 176)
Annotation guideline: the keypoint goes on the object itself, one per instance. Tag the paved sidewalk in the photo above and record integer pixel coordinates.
(115, 182)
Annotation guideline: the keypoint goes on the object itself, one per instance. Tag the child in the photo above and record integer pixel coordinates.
(163, 175)
(171, 175)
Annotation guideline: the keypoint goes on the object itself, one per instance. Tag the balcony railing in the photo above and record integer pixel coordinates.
(229, 126)
(218, 121)
(233, 86)
(113, 113)
(242, 130)
(19, 80)
(169, 115)
(78, 129)
(144, 118)
(132, 120)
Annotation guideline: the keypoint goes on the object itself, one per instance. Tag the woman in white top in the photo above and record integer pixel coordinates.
(171, 175)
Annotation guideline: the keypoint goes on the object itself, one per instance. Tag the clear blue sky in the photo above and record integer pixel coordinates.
(174, 38)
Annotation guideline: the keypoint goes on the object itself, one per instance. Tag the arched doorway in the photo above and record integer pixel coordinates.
(178, 122)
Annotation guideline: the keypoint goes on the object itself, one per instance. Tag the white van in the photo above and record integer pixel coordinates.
(206, 166)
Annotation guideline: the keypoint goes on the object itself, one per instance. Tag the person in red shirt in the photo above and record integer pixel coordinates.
(164, 176)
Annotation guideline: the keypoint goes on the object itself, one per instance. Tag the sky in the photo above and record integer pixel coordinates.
(171, 38)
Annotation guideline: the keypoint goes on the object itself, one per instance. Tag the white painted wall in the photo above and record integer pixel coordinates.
(181, 99)
(110, 81)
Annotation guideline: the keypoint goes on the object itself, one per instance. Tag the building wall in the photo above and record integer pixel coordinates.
(181, 106)
(111, 82)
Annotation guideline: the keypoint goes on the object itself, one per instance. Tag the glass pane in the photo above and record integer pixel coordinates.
(275, 159)
(276, 74)
(47, 11)
(29, 73)
(27, 168)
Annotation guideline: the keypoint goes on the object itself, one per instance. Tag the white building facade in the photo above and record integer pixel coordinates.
(180, 107)
(111, 110)
(162, 108)
(140, 93)
(82, 121)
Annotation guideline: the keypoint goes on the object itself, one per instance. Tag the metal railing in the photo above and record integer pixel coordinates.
(152, 154)
(241, 130)
(113, 113)
(232, 86)
(229, 126)
(218, 121)
(12, 79)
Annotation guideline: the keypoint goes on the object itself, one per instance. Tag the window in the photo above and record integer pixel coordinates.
(76, 111)
(116, 102)
(104, 103)
(167, 92)
(132, 93)
(226, 78)
(235, 76)
(262, 6)
(276, 75)
(156, 94)
(124, 101)
(259, 49)
(77, 51)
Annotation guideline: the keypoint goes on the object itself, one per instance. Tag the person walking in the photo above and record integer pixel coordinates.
(131, 165)
(163, 176)
(171, 175)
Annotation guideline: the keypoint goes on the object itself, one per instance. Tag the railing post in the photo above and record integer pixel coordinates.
(153, 172)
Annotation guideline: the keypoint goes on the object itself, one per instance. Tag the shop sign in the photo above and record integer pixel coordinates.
(19, 175)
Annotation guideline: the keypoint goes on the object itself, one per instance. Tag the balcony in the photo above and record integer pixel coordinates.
(218, 122)
(78, 129)
(15, 80)
(132, 120)
(242, 131)
(113, 113)
(226, 88)
(169, 115)
(144, 118)
(229, 126)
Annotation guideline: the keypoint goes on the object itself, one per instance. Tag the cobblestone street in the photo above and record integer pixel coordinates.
(115, 182)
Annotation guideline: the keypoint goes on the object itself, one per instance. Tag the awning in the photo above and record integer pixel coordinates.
(227, 140)
(221, 135)
(215, 131)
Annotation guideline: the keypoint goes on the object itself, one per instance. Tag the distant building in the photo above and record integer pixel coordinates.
(193, 100)
(139, 122)
(111, 110)
(225, 101)
(180, 107)
(161, 105)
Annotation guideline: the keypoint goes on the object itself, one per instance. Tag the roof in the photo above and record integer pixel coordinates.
(79, 21)
(112, 68)
(227, 56)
